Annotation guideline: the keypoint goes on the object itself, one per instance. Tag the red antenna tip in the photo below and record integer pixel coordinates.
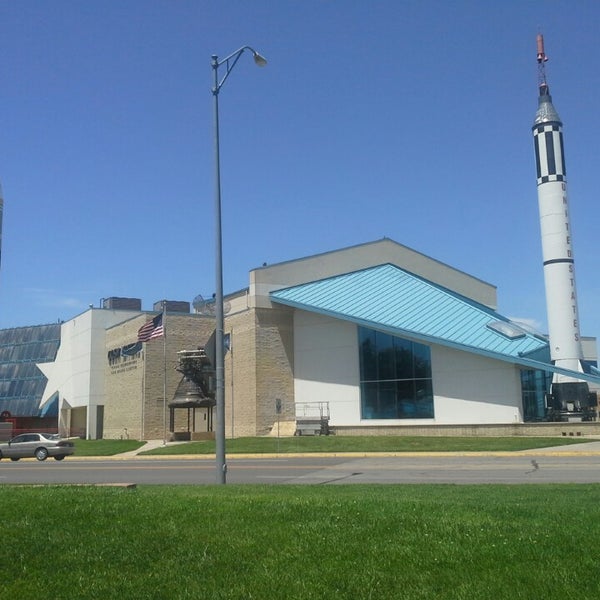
(541, 55)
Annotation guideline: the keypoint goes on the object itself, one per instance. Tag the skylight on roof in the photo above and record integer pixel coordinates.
(507, 329)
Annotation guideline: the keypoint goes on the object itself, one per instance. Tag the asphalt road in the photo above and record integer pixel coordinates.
(311, 470)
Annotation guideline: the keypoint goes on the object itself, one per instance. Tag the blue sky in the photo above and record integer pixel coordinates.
(410, 120)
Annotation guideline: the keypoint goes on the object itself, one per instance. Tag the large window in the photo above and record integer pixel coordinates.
(534, 387)
(395, 377)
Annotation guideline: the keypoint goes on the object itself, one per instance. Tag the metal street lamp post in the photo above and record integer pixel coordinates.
(229, 62)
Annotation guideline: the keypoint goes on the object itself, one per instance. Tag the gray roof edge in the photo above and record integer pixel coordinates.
(373, 243)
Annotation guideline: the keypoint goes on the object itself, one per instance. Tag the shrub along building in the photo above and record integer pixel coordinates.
(374, 338)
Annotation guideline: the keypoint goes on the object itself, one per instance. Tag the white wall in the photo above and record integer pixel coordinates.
(468, 388)
(78, 371)
(326, 365)
(473, 389)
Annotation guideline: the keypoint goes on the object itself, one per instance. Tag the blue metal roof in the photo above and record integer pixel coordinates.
(388, 298)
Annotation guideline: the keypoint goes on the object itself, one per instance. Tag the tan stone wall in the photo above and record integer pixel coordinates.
(123, 384)
(157, 371)
(512, 429)
(274, 374)
(143, 377)
(77, 421)
(258, 370)
(240, 375)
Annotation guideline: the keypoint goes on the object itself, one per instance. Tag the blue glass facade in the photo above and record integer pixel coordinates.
(22, 384)
(395, 377)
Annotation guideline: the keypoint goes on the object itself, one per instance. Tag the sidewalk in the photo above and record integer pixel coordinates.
(573, 449)
(149, 445)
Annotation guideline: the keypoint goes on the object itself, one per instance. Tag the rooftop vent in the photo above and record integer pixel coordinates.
(122, 303)
(176, 306)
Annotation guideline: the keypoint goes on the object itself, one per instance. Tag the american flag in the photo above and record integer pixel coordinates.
(152, 329)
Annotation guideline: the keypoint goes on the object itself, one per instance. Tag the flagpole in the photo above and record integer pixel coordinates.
(164, 324)
(143, 428)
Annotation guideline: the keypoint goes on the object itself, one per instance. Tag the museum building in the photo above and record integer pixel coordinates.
(372, 338)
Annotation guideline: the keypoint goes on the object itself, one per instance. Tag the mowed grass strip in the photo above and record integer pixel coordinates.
(105, 447)
(301, 542)
(388, 443)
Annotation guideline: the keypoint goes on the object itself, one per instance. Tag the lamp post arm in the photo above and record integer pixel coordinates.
(230, 62)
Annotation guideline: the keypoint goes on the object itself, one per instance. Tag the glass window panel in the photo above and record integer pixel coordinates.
(386, 368)
(368, 354)
(534, 386)
(368, 394)
(422, 358)
(424, 399)
(404, 358)
(395, 377)
(387, 400)
(406, 399)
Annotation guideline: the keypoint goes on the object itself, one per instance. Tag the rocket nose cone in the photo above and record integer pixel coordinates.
(546, 111)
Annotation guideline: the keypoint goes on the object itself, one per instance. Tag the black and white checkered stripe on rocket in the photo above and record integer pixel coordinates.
(549, 155)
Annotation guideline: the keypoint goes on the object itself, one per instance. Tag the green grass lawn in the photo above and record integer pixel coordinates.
(105, 447)
(262, 445)
(356, 542)
(334, 443)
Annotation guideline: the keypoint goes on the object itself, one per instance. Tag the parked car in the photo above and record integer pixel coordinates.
(40, 445)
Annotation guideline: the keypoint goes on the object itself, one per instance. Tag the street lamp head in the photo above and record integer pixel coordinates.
(261, 61)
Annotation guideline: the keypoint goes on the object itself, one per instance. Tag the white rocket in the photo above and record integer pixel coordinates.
(557, 241)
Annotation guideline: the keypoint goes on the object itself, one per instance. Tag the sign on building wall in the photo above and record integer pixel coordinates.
(125, 358)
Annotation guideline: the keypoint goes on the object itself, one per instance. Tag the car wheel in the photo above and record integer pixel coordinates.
(58, 457)
(41, 454)
(14, 458)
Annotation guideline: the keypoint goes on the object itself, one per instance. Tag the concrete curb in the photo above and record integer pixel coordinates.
(499, 454)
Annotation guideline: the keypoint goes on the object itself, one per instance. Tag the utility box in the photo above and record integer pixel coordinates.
(176, 306)
(122, 303)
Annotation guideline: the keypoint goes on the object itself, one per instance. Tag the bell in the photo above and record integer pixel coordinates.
(189, 395)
